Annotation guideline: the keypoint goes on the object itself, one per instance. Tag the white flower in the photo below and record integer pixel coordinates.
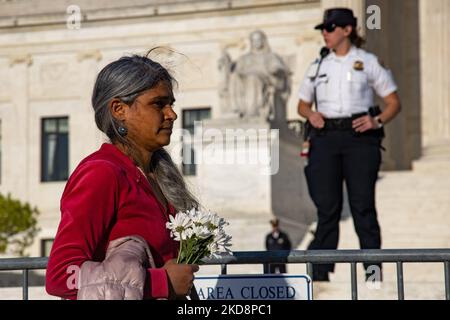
(213, 250)
(180, 226)
(201, 231)
(199, 218)
(223, 242)
(215, 222)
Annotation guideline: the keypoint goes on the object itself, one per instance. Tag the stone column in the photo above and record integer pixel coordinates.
(83, 121)
(16, 152)
(397, 44)
(435, 69)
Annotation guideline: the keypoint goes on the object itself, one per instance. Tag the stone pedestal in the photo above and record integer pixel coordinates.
(234, 165)
(252, 168)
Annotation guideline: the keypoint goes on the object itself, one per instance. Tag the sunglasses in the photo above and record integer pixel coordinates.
(330, 27)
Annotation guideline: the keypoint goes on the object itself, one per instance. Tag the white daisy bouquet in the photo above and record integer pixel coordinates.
(201, 234)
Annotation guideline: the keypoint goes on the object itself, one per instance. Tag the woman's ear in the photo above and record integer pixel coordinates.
(117, 108)
(348, 30)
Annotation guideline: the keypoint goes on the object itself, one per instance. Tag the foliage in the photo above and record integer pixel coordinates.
(18, 225)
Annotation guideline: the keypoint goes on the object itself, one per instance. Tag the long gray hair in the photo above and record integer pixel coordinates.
(127, 78)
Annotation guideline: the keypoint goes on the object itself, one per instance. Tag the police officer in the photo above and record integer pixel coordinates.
(276, 240)
(346, 134)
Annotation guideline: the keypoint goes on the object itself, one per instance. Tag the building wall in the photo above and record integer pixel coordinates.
(435, 69)
(50, 70)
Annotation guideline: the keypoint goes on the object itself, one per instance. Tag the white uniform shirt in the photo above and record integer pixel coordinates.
(345, 85)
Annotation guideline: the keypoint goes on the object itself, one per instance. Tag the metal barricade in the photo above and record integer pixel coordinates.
(397, 256)
(24, 264)
(352, 257)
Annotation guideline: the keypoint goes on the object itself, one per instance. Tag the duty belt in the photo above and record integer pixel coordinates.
(342, 123)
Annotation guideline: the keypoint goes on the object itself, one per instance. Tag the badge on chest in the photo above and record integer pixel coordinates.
(358, 65)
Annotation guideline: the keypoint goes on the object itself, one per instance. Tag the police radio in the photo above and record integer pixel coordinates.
(323, 53)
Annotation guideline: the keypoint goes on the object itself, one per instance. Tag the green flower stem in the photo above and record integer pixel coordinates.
(193, 250)
(192, 254)
(179, 251)
(201, 252)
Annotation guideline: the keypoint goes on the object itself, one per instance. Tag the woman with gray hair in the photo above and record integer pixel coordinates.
(112, 241)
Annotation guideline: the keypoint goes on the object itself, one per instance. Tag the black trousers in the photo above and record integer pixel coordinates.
(275, 268)
(335, 157)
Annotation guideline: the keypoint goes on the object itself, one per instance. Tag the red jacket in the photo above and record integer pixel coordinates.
(107, 198)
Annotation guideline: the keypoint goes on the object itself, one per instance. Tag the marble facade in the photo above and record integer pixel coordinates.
(48, 70)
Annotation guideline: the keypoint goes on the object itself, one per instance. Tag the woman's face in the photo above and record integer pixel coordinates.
(335, 38)
(150, 118)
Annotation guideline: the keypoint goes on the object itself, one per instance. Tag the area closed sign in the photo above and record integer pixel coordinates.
(254, 287)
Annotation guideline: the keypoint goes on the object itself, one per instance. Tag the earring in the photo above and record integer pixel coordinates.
(122, 131)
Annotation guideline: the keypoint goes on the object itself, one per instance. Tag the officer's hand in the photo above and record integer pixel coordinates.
(181, 277)
(365, 123)
(316, 120)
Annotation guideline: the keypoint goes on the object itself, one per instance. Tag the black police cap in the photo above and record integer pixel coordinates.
(341, 17)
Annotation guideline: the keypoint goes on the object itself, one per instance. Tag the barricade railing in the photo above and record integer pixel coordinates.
(310, 257)
(352, 257)
(24, 264)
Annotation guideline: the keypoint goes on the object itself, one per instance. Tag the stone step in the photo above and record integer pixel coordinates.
(437, 149)
(248, 234)
(437, 164)
(435, 159)
(34, 293)
(387, 291)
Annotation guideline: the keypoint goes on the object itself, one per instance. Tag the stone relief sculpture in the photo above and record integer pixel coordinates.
(256, 83)
(225, 65)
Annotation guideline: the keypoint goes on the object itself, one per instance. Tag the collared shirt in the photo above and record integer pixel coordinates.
(345, 85)
(107, 198)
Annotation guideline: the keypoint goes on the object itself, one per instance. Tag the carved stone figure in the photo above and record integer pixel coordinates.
(257, 83)
(225, 65)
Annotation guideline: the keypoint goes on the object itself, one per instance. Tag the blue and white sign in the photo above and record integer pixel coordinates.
(254, 287)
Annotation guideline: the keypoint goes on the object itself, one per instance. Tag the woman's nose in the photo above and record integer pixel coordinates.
(170, 114)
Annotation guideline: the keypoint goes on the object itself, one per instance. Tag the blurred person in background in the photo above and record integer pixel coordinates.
(276, 240)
